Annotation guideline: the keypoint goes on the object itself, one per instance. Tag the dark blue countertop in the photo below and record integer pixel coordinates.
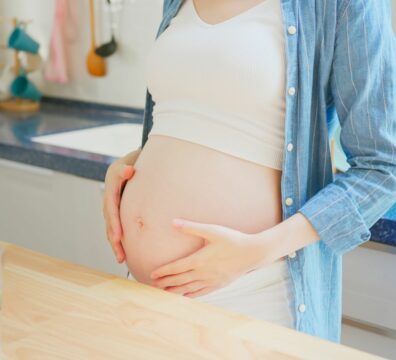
(384, 230)
(57, 115)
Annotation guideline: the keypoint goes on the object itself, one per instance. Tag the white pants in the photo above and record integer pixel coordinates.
(264, 293)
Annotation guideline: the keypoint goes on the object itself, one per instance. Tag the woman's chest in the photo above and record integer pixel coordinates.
(241, 60)
(306, 28)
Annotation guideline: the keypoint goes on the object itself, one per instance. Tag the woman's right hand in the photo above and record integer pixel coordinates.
(117, 174)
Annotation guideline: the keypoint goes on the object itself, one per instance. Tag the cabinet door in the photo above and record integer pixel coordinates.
(55, 213)
(82, 226)
(27, 205)
(369, 287)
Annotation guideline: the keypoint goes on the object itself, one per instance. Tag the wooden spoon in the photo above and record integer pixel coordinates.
(96, 65)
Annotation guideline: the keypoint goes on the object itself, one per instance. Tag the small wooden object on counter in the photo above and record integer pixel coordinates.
(54, 309)
(17, 104)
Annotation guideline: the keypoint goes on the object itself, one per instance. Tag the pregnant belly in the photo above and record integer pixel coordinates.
(177, 178)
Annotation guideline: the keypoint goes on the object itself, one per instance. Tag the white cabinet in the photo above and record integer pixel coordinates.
(55, 213)
(369, 299)
(374, 342)
(369, 286)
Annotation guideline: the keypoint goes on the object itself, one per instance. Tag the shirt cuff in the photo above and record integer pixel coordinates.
(336, 219)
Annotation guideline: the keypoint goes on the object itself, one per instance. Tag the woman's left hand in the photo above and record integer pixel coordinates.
(226, 255)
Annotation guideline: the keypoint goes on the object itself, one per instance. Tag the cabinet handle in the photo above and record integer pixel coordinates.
(28, 168)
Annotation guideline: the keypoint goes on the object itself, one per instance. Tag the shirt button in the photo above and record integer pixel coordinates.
(291, 90)
(301, 308)
(289, 147)
(289, 201)
(291, 29)
(292, 255)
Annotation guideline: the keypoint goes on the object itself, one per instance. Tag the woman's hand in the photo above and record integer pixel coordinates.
(226, 255)
(118, 173)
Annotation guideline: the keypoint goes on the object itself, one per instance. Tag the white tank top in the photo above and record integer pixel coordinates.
(222, 85)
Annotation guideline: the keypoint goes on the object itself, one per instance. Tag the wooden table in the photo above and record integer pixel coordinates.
(54, 309)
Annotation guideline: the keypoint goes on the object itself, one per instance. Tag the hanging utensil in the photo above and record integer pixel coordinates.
(110, 47)
(96, 65)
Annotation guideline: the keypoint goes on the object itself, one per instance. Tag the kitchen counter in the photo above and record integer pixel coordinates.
(57, 115)
(53, 309)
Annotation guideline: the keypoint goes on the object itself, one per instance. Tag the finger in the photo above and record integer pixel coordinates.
(186, 288)
(179, 266)
(200, 292)
(199, 229)
(116, 229)
(115, 225)
(108, 230)
(120, 252)
(123, 174)
(111, 211)
(113, 214)
(117, 235)
(117, 247)
(112, 203)
(113, 248)
(128, 172)
(176, 280)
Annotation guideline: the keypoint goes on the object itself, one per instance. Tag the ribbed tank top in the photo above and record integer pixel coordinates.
(222, 85)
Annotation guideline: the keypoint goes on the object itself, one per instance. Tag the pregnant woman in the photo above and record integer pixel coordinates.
(240, 103)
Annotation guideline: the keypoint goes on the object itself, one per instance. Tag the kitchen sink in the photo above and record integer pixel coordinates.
(112, 140)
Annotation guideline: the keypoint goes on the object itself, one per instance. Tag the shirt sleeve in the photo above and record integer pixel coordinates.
(363, 87)
(165, 6)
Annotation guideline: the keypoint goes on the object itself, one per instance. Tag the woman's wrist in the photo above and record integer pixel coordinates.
(284, 238)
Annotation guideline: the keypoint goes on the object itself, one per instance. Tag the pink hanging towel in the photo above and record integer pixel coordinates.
(56, 68)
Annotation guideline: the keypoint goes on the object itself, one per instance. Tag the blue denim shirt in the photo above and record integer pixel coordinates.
(341, 69)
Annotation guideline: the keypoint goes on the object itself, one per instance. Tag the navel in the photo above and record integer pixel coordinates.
(140, 222)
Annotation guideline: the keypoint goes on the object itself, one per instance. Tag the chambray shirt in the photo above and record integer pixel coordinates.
(341, 69)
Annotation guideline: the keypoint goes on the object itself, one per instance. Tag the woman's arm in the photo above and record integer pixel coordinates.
(363, 84)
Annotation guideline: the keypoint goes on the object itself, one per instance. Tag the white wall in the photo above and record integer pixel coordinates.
(125, 83)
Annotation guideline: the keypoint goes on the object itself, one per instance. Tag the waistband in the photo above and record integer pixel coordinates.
(268, 276)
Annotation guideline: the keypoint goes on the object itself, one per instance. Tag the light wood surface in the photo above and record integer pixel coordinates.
(53, 309)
